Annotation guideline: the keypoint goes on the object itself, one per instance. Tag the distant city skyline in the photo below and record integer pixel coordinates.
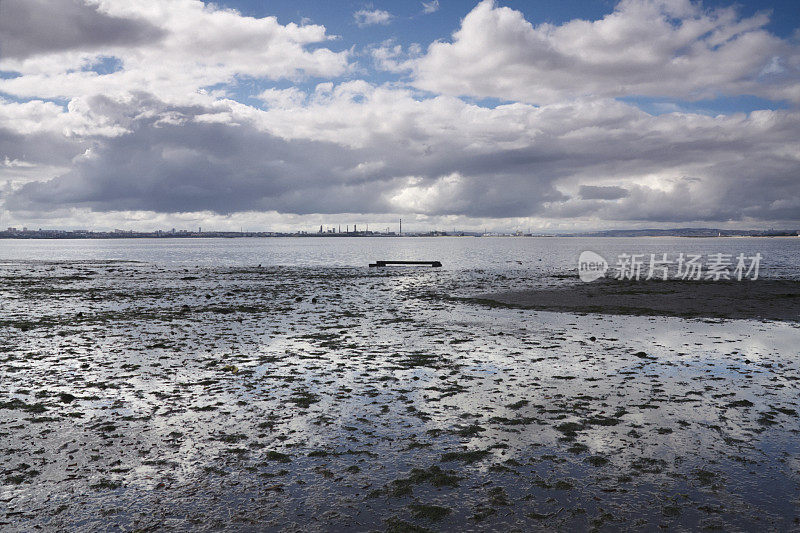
(501, 116)
(51, 233)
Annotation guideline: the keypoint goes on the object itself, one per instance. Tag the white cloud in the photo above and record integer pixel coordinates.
(357, 147)
(391, 57)
(181, 61)
(161, 134)
(672, 48)
(371, 17)
(283, 98)
(430, 7)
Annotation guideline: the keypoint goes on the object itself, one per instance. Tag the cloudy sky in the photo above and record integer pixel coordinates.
(275, 115)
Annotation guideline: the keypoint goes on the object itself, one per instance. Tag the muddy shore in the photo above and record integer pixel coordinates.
(141, 397)
(760, 299)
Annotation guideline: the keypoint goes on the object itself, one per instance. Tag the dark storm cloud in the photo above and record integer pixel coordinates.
(190, 166)
(595, 192)
(31, 27)
(207, 158)
(760, 188)
(42, 148)
(170, 161)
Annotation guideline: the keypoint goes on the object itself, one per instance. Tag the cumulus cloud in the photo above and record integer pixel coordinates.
(283, 98)
(178, 64)
(190, 163)
(390, 56)
(359, 148)
(371, 17)
(671, 48)
(36, 139)
(33, 27)
(159, 134)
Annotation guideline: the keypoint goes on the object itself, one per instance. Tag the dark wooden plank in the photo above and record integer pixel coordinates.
(389, 263)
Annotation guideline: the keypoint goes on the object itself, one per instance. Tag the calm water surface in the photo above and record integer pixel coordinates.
(545, 254)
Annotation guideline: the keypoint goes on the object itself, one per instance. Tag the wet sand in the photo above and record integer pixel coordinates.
(138, 397)
(759, 299)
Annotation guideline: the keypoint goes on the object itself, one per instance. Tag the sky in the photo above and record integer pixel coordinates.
(548, 115)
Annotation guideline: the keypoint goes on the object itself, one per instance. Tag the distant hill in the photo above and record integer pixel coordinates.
(689, 232)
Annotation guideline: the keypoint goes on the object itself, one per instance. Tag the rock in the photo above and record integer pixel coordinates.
(66, 397)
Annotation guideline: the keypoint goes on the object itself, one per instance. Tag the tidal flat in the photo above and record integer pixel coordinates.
(144, 397)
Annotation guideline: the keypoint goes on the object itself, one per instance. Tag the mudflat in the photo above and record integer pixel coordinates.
(758, 299)
(147, 397)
